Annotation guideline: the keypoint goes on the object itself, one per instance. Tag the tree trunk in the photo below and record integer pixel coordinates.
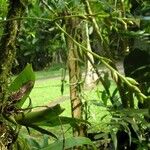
(91, 75)
(74, 75)
(7, 43)
(7, 55)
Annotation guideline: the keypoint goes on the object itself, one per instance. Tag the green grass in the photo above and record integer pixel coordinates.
(48, 89)
(55, 70)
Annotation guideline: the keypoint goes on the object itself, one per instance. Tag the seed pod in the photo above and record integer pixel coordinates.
(132, 81)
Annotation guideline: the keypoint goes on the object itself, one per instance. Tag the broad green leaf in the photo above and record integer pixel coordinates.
(70, 143)
(34, 145)
(45, 141)
(21, 143)
(26, 75)
(24, 80)
(61, 120)
(33, 117)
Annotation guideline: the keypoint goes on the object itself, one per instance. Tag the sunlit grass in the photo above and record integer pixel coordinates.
(47, 89)
(55, 70)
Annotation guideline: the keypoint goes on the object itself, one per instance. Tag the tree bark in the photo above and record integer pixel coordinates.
(7, 43)
(7, 56)
(74, 75)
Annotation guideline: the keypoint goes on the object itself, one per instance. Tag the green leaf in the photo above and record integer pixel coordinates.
(104, 116)
(45, 141)
(25, 79)
(43, 131)
(34, 142)
(104, 97)
(70, 143)
(114, 139)
(134, 127)
(114, 92)
(63, 75)
(34, 145)
(127, 130)
(43, 115)
(98, 93)
(107, 80)
(61, 120)
(21, 144)
(133, 112)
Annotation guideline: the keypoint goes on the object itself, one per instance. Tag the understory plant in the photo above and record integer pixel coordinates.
(129, 127)
(14, 116)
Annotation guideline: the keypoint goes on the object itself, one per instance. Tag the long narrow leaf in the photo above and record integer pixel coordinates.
(61, 120)
(45, 114)
(114, 139)
(43, 131)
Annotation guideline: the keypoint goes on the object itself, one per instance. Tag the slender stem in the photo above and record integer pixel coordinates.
(105, 62)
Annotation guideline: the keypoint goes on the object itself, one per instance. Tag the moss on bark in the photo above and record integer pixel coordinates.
(7, 56)
(7, 44)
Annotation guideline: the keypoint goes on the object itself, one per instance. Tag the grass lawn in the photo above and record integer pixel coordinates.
(48, 89)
